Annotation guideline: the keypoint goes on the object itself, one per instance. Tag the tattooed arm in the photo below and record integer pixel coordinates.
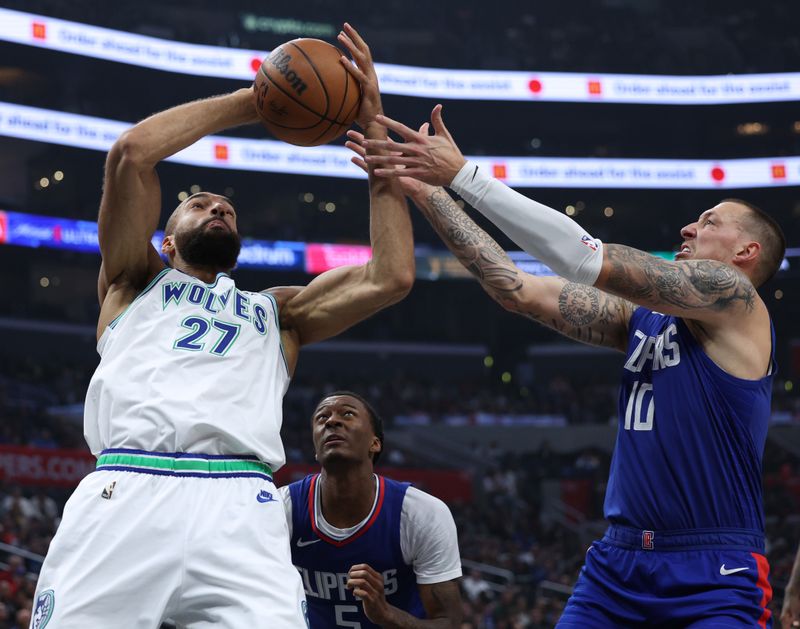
(703, 290)
(580, 312)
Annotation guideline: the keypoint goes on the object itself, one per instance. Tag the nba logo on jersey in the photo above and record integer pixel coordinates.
(43, 610)
(647, 540)
(589, 242)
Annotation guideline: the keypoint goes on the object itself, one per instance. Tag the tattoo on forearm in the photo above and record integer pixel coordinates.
(591, 315)
(473, 247)
(694, 284)
(584, 313)
(578, 304)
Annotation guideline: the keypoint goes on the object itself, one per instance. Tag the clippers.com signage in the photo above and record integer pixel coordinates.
(42, 466)
(66, 468)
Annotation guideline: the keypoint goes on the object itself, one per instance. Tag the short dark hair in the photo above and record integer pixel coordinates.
(769, 235)
(374, 418)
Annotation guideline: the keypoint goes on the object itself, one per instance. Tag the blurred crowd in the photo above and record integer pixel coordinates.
(42, 403)
(522, 549)
(519, 564)
(28, 521)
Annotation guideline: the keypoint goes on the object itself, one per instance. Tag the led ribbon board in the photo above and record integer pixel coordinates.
(34, 230)
(44, 125)
(231, 63)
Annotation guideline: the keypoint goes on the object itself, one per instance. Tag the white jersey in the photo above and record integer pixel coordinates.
(190, 367)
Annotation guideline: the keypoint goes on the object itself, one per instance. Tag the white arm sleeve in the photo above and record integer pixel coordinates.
(428, 538)
(286, 499)
(550, 236)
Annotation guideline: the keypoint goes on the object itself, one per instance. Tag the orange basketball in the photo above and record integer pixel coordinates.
(303, 93)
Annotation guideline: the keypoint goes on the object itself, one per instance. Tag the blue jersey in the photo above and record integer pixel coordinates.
(324, 562)
(690, 438)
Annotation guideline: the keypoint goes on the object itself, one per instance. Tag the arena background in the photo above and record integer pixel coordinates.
(509, 423)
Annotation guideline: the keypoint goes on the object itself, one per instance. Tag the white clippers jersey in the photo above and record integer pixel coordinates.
(190, 367)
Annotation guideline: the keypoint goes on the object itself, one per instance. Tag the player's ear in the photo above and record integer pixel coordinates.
(168, 245)
(376, 446)
(747, 252)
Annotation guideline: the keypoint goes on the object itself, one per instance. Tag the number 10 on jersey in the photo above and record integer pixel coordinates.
(637, 415)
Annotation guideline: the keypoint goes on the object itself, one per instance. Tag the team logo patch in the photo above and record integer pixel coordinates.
(304, 609)
(43, 611)
(647, 540)
(265, 496)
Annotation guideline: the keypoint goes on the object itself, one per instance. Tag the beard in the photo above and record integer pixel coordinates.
(217, 249)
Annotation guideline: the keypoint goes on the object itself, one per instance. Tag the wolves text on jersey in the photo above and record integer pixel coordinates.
(663, 350)
(213, 303)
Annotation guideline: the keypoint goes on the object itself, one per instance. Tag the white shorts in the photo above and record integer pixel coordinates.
(197, 539)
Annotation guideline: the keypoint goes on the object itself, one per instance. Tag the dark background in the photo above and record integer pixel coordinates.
(427, 354)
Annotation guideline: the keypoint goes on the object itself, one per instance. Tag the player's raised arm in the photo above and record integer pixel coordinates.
(580, 312)
(701, 289)
(131, 203)
(339, 298)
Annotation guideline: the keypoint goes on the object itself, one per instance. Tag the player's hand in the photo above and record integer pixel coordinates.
(790, 614)
(434, 159)
(367, 585)
(411, 187)
(364, 72)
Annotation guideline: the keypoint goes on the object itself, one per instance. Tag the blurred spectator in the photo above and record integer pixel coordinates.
(475, 586)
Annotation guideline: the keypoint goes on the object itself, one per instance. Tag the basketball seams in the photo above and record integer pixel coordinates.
(341, 106)
(296, 104)
(294, 100)
(344, 95)
(319, 78)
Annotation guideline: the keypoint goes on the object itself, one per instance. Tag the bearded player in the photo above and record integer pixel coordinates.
(184, 410)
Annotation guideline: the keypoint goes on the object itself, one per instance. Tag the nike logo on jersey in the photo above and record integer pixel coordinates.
(724, 571)
(265, 496)
(301, 542)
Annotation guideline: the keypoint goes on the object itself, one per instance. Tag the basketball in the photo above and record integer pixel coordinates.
(303, 93)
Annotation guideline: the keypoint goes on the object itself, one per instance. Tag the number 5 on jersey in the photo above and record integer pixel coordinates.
(341, 610)
(641, 418)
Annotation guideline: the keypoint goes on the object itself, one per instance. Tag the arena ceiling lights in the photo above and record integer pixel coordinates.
(231, 63)
(44, 125)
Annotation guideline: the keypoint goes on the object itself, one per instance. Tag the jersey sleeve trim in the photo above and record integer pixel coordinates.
(146, 290)
(274, 303)
(440, 578)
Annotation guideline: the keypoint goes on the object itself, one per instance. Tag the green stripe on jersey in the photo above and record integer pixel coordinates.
(184, 464)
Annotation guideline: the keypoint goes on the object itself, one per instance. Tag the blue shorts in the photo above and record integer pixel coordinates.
(699, 579)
